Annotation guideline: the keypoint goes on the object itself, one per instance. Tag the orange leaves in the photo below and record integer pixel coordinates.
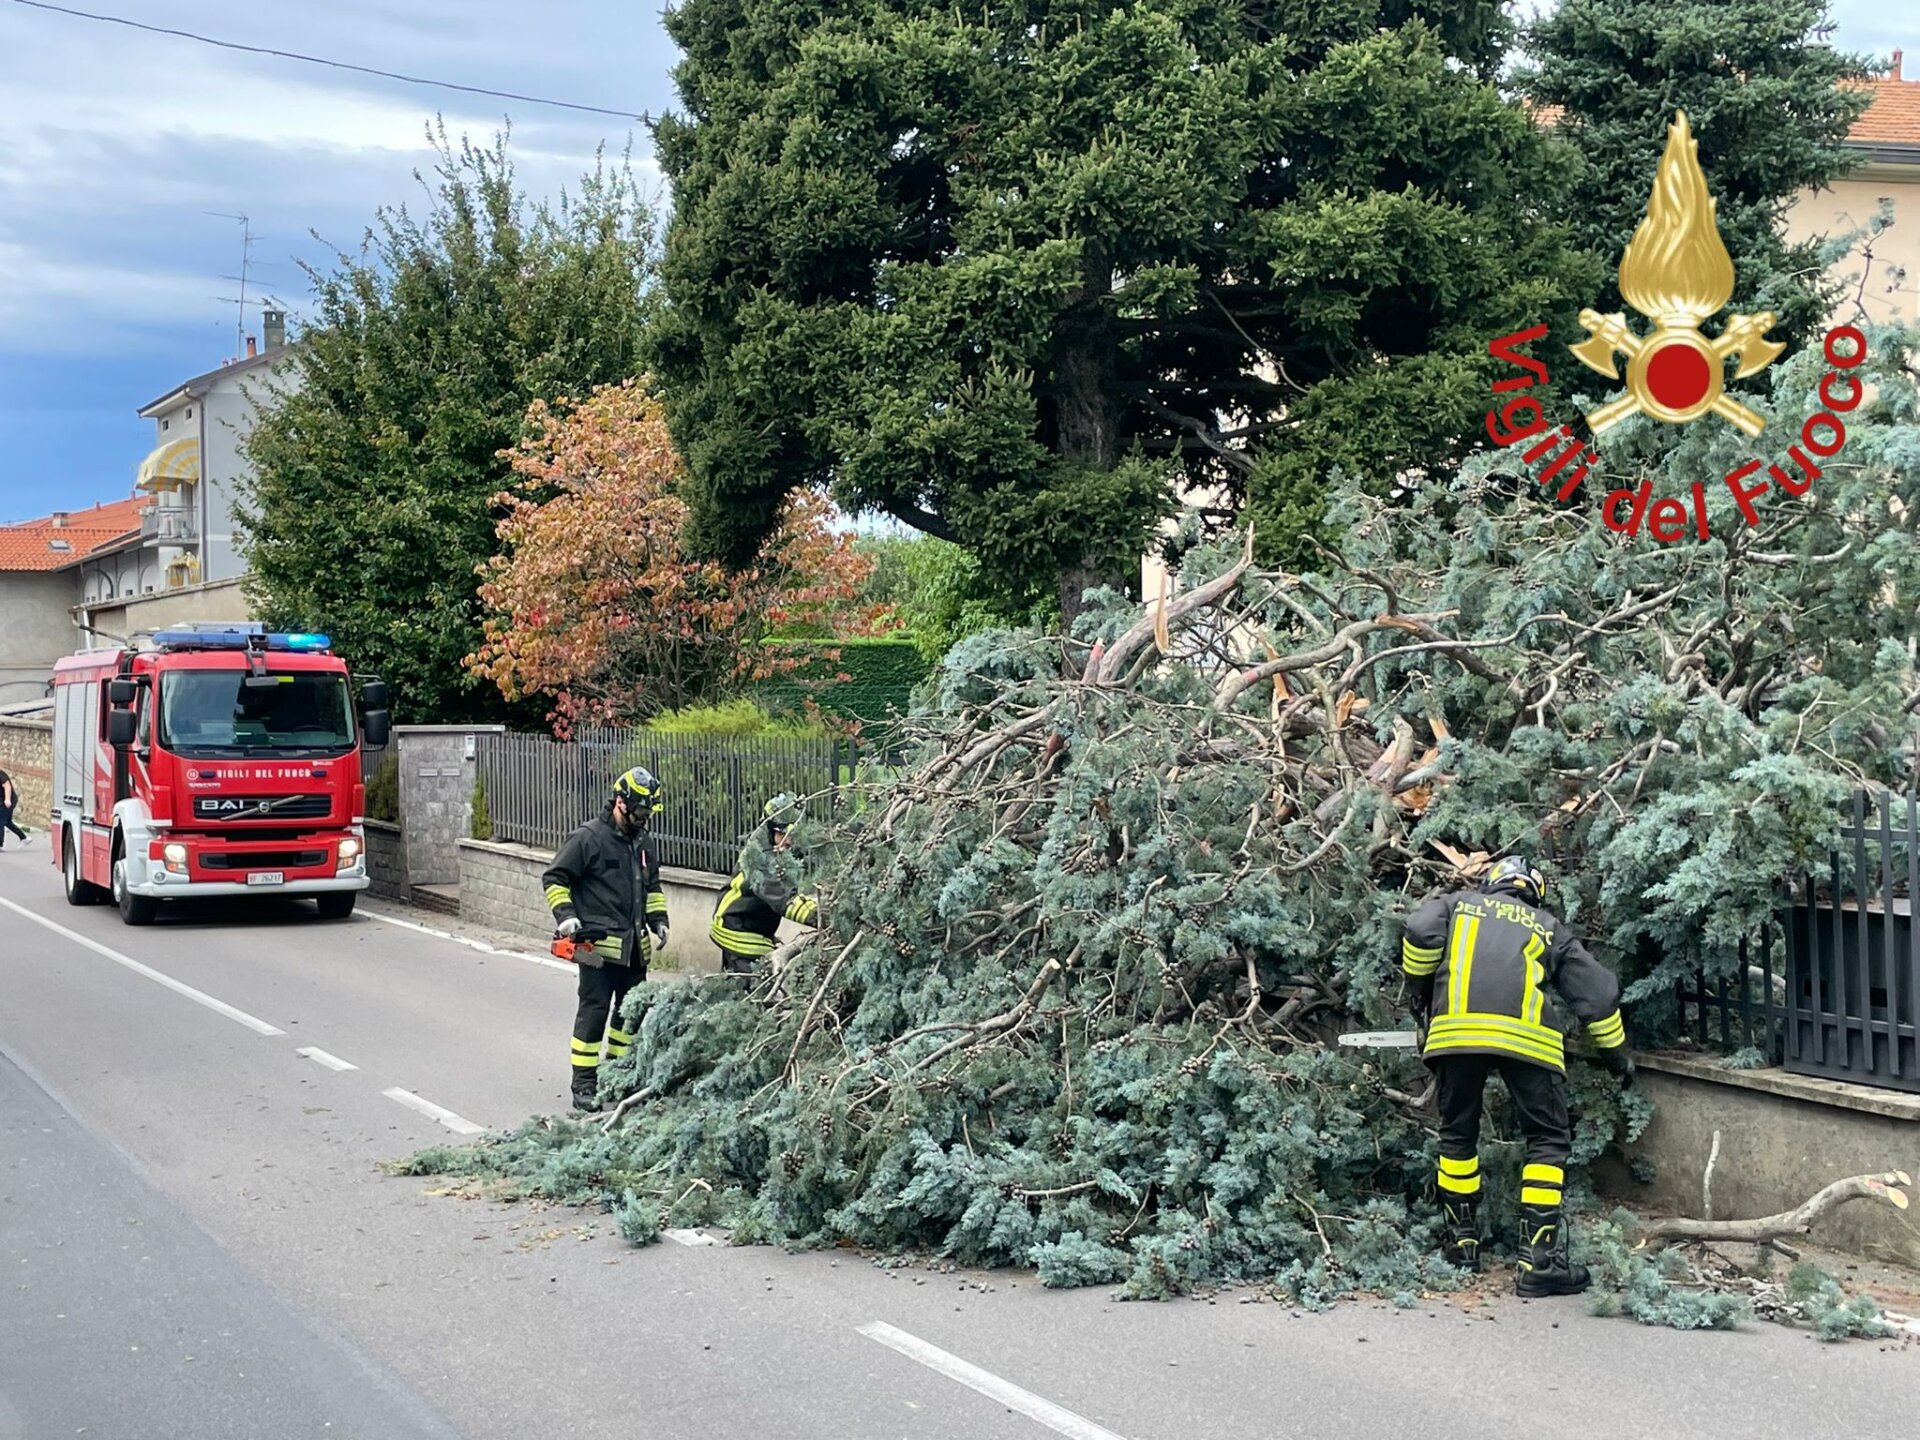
(592, 600)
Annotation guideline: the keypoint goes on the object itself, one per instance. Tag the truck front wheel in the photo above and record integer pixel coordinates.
(134, 909)
(335, 904)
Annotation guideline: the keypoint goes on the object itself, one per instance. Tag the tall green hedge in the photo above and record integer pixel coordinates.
(883, 673)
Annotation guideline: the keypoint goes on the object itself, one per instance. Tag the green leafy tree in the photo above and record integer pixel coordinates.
(936, 590)
(375, 468)
(1007, 274)
(1765, 96)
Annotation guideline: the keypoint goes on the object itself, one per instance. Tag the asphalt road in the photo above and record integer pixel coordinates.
(184, 1169)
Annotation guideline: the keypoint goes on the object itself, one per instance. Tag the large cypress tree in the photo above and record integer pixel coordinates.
(1004, 270)
(1764, 96)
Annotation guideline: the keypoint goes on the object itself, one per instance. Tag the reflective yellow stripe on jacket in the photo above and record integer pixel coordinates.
(1470, 1031)
(739, 942)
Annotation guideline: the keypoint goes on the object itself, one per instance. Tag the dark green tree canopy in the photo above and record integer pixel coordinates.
(376, 466)
(1763, 94)
(1005, 272)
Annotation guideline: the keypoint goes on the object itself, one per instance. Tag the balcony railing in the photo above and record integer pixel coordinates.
(157, 523)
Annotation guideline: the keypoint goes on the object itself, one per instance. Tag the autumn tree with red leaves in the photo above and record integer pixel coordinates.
(592, 601)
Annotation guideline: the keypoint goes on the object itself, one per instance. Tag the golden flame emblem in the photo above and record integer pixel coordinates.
(1677, 272)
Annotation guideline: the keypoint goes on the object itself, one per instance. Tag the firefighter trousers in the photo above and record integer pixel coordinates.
(603, 989)
(1539, 1104)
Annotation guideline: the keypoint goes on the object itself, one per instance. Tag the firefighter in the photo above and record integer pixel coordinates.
(604, 890)
(1479, 965)
(748, 916)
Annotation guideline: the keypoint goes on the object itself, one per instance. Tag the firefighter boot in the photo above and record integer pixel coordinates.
(1543, 1267)
(586, 1089)
(1462, 1245)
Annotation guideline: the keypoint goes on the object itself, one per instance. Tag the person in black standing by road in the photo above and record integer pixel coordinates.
(604, 890)
(9, 801)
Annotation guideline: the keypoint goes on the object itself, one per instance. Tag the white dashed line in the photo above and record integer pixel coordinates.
(199, 997)
(332, 1062)
(690, 1237)
(432, 1111)
(479, 945)
(1056, 1418)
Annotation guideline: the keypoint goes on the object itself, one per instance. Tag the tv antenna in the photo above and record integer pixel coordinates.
(247, 237)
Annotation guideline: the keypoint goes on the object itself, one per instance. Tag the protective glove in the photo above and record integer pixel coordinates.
(569, 925)
(658, 925)
(1620, 1063)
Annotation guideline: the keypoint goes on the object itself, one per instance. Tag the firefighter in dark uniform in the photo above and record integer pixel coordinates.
(746, 921)
(604, 890)
(1479, 965)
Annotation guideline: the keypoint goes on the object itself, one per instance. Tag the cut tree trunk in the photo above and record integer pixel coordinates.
(1797, 1221)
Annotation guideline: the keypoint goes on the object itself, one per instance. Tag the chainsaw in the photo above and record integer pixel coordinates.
(575, 949)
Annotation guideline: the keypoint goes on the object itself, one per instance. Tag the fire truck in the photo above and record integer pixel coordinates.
(213, 760)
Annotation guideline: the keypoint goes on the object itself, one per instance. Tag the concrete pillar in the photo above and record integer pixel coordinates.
(436, 796)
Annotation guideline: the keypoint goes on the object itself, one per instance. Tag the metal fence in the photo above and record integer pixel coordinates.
(712, 790)
(1744, 1011)
(1853, 954)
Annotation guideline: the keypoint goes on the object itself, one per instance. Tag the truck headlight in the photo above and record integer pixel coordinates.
(349, 853)
(174, 856)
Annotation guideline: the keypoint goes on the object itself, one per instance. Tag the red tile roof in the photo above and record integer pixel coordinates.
(1894, 116)
(30, 544)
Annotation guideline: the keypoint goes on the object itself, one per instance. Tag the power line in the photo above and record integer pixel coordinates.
(331, 64)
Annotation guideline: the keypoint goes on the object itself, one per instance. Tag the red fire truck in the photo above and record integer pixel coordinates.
(217, 760)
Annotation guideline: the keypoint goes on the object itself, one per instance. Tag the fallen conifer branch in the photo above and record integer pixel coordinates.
(1797, 1221)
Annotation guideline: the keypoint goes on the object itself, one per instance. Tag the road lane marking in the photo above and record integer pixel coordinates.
(1056, 1418)
(689, 1237)
(432, 1111)
(199, 997)
(332, 1062)
(482, 946)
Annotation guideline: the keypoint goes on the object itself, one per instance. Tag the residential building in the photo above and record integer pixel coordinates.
(196, 469)
(1887, 138)
(41, 580)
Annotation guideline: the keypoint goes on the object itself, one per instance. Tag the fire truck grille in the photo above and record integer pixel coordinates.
(285, 807)
(265, 860)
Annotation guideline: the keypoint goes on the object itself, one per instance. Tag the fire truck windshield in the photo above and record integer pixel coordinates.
(204, 712)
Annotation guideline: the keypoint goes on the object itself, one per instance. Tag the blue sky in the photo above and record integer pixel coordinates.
(115, 145)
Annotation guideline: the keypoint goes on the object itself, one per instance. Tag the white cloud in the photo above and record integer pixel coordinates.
(116, 145)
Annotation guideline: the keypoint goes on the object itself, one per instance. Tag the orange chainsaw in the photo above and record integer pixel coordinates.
(576, 949)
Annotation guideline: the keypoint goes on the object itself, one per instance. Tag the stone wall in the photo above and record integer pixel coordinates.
(500, 890)
(436, 796)
(26, 753)
(1735, 1144)
(387, 862)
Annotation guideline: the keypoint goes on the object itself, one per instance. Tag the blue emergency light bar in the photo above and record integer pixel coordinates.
(251, 635)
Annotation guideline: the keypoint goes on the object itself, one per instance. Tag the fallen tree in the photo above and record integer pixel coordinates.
(1084, 957)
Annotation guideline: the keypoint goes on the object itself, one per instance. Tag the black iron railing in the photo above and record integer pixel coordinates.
(712, 790)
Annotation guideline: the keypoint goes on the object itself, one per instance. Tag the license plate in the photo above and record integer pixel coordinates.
(267, 877)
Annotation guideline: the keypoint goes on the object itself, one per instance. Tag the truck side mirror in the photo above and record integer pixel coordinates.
(376, 729)
(120, 728)
(121, 692)
(373, 695)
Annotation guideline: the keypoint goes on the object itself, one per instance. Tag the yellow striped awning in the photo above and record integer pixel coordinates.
(172, 463)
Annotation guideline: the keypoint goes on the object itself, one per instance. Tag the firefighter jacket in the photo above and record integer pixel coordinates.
(611, 883)
(748, 916)
(1487, 962)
